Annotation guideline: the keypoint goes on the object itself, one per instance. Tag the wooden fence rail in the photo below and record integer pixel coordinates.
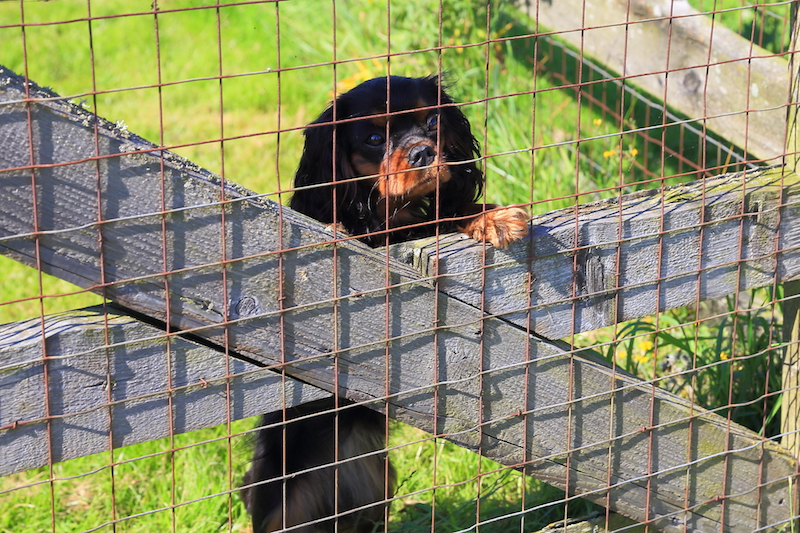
(684, 58)
(252, 285)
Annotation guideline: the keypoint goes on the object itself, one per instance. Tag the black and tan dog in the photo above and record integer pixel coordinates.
(384, 174)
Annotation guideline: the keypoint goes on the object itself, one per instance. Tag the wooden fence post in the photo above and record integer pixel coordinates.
(790, 375)
(792, 148)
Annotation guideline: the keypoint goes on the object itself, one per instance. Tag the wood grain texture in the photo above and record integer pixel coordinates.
(596, 523)
(102, 394)
(628, 259)
(790, 371)
(282, 293)
(679, 56)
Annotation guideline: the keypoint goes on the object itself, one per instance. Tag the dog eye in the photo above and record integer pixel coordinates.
(433, 123)
(375, 140)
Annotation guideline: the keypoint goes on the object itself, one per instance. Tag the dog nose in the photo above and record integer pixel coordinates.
(421, 155)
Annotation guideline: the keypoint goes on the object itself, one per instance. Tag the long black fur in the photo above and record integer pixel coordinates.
(310, 444)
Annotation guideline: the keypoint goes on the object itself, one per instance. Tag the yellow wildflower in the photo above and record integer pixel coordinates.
(597, 122)
(609, 153)
(646, 346)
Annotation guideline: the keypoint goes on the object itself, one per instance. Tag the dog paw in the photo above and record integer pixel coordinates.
(337, 228)
(499, 227)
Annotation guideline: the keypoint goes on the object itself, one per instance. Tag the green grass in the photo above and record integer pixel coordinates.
(469, 490)
(170, 484)
(153, 477)
(250, 109)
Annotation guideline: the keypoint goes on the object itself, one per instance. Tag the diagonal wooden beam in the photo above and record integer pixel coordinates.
(353, 321)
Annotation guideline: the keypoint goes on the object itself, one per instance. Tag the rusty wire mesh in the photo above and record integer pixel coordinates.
(206, 304)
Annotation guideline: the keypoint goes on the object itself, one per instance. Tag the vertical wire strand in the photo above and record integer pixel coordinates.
(650, 431)
(690, 443)
(387, 299)
(575, 268)
(102, 263)
(613, 403)
(39, 280)
(335, 281)
(484, 245)
(165, 270)
(435, 316)
(224, 270)
(527, 419)
(281, 278)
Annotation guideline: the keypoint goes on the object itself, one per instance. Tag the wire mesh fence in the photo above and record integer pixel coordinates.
(398, 266)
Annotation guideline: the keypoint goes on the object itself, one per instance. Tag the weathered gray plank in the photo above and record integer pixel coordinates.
(696, 230)
(327, 308)
(145, 371)
(739, 89)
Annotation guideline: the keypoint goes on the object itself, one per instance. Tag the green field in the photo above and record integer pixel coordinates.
(110, 65)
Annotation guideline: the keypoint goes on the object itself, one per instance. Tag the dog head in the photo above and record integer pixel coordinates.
(374, 167)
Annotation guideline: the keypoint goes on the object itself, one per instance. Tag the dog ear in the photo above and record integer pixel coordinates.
(315, 170)
(315, 173)
(459, 145)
